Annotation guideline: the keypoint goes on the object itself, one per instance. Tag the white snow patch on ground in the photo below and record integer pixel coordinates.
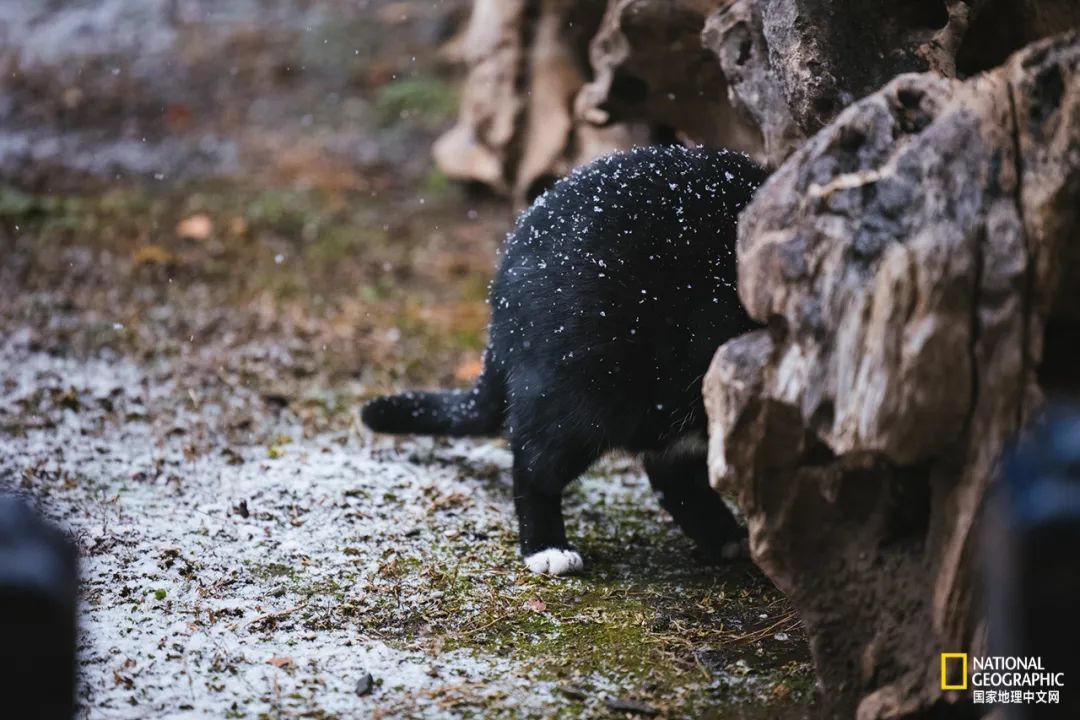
(191, 609)
(235, 562)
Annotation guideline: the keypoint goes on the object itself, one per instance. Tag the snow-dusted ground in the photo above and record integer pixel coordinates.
(268, 579)
(201, 575)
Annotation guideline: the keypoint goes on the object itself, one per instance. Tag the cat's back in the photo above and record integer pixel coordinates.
(683, 192)
(615, 289)
(629, 230)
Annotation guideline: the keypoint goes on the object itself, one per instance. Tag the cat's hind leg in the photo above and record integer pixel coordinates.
(680, 480)
(541, 472)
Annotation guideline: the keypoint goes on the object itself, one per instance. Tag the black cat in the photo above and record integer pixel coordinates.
(615, 289)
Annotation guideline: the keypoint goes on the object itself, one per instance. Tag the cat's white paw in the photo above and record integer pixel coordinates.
(736, 550)
(554, 561)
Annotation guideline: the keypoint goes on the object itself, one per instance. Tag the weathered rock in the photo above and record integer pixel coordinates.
(652, 67)
(533, 106)
(516, 131)
(794, 64)
(554, 83)
(490, 103)
(999, 27)
(735, 35)
(787, 66)
(906, 260)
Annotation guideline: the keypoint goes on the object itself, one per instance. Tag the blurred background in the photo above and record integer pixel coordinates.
(188, 178)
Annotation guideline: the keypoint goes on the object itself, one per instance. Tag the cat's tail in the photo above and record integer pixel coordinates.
(457, 413)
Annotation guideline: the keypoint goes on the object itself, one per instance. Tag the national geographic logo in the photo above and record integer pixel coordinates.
(950, 664)
(1001, 679)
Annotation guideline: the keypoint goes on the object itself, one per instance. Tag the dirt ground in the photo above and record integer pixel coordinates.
(220, 231)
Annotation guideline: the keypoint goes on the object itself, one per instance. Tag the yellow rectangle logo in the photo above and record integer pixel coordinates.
(945, 658)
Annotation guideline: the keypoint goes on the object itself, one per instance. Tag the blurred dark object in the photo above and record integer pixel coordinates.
(1032, 559)
(1057, 371)
(38, 583)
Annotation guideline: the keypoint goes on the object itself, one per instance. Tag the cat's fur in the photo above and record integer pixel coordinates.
(614, 291)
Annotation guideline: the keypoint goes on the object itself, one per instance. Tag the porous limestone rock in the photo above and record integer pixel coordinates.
(907, 261)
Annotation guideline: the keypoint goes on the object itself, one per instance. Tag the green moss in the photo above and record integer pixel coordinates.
(341, 241)
(422, 99)
(274, 570)
(436, 182)
(286, 212)
(643, 621)
(17, 204)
